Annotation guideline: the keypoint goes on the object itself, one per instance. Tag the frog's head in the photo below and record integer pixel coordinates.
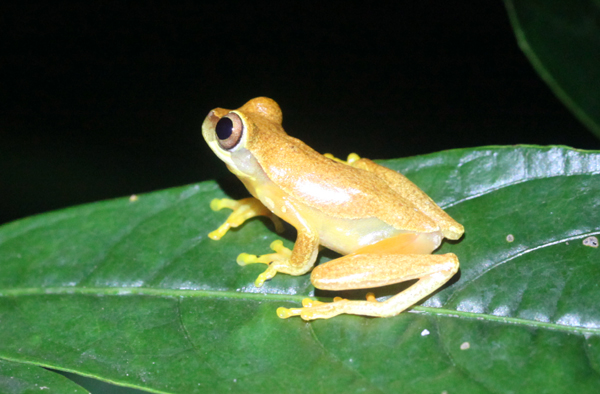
(234, 134)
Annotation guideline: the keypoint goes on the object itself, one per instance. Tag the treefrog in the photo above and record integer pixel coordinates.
(382, 224)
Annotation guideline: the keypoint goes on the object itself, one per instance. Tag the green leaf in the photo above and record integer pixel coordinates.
(135, 293)
(18, 378)
(562, 41)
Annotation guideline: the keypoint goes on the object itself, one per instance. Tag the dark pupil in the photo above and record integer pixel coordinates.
(224, 128)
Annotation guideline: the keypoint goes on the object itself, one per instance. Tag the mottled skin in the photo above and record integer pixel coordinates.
(382, 223)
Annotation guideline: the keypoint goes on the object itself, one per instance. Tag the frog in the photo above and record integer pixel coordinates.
(384, 226)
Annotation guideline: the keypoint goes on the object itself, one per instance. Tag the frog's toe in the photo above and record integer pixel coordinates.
(270, 272)
(245, 259)
(281, 251)
(312, 309)
(279, 227)
(286, 313)
(308, 302)
(352, 157)
(216, 204)
(220, 232)
(332, 157)
(371, 297)
(280, 257)
(322, 310)
(281, 254)
(265, 276)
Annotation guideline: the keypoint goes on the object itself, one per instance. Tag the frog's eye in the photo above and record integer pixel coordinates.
(229, 130)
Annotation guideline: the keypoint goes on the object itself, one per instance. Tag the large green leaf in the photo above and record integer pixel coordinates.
(562, 41)
(134, 292)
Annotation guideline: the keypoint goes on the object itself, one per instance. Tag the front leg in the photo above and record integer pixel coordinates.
(296, 262)
(292, 262)
(243, 210)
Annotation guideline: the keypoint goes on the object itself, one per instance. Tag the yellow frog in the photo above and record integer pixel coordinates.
(384, 226)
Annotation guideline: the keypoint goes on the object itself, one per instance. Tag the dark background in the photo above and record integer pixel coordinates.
(99, 102)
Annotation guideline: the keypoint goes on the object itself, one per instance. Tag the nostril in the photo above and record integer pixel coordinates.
(212, 117)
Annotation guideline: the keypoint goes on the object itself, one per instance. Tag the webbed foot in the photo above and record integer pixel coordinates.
(313, 309)
(282, 254)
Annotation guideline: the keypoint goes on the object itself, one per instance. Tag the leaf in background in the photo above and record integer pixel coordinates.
(135, 293)
(562, 41)
(19, 378)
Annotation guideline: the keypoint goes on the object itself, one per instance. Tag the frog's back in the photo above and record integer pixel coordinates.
(337, 189)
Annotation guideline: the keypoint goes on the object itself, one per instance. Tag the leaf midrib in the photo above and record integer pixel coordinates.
(122, 291)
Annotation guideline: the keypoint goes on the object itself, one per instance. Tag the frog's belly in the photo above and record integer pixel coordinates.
(342, 235)
(347, 235)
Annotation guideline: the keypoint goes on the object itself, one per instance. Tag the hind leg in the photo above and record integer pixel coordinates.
(374, 266)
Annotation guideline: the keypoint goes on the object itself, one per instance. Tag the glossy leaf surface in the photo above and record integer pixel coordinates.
(134, 292)
(562, 41)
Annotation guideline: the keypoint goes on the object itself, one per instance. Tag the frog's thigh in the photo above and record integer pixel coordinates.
(364, 271)
(369, 270)
(411, 192)
(397, 259)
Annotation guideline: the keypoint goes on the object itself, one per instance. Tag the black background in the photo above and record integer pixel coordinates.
(100, 102)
